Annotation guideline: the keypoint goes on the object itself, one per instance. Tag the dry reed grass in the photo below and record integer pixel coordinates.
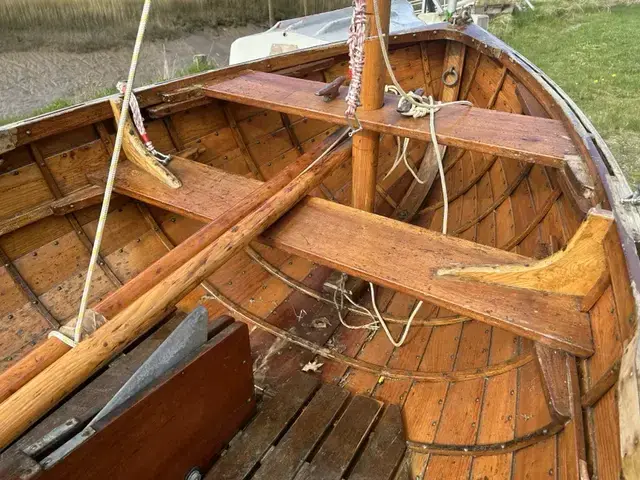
(82, 25)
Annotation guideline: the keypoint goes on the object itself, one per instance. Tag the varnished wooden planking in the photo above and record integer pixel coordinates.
(338, 450)
(620, 282)
(498, 418)
(63, 299)
(22, 189)
(532, 414)
(69, 168)
(293, 234)
(537, 322)
(606, 337)
(24, 326)
(423, 408)
(271, 421)
(607, 436)
(284, 461)
(33, 236)
(459, 126)
(461, 410)
(384, 450)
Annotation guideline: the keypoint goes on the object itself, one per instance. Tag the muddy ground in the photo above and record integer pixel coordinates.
(31, 80)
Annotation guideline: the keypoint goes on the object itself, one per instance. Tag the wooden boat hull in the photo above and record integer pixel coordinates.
(474, 398)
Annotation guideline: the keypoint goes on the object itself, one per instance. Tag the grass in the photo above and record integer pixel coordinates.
(592, 52)
(85, 25)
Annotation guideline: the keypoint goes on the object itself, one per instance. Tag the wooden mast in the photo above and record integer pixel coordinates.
(366, 143)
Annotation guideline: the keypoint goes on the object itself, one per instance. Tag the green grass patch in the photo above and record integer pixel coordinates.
(592, 53)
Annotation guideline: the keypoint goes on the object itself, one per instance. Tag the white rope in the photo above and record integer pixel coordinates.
(112, 172)
(62, 337)
(378, 319)
(420, 107)
(405, 332)
(359, 308)
(403, 146)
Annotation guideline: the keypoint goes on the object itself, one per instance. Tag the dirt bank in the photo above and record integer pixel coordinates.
(31, 80)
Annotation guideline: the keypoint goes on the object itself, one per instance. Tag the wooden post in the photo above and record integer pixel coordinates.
(52, 349)
(366, 143)
(271, 17)
(44, 391)
(305, 7)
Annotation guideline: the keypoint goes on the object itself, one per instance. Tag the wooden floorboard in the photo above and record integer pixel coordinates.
(403, 257)
(246, 451)
(521, 137)
(340, 447)
(294, 448)
(385, 449)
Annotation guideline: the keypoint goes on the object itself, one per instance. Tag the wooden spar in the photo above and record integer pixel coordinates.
(30, 365)
(45, 390)
(366, 143)
(52, 349)
(177, 257)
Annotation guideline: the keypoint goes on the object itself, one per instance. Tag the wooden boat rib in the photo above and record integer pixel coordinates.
(514, 366)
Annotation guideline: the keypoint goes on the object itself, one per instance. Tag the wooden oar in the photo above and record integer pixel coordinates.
(52, 349)
(48, 388)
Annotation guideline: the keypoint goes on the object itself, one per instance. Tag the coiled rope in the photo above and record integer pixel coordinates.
(110, 180)
(420, 107)
(378, 319)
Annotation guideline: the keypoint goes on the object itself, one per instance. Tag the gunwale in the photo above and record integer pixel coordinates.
(610, 183)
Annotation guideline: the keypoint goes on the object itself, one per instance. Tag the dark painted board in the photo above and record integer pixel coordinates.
(181, 423)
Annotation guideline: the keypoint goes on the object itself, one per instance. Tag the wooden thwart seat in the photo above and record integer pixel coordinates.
(402, 257)
(531, 139)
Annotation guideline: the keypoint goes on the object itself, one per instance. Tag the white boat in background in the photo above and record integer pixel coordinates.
(313, 30)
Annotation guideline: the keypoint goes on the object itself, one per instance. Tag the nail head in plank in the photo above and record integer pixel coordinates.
(244, 454)
(531, 139)
(307, 431)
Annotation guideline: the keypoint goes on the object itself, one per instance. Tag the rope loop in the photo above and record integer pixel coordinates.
(63, 338)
